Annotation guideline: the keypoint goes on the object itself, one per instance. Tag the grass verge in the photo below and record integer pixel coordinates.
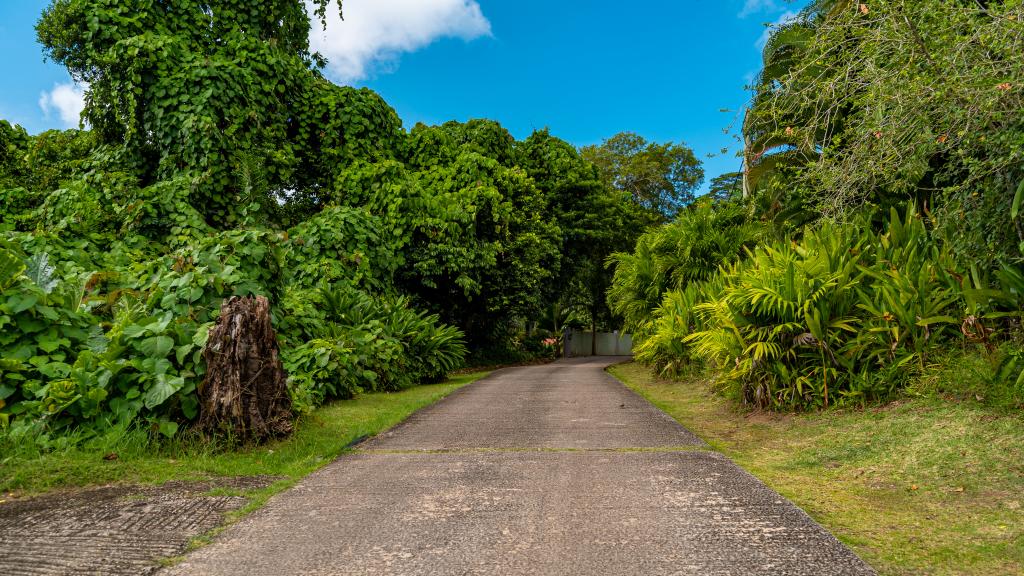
(318, 438)
(918, 486)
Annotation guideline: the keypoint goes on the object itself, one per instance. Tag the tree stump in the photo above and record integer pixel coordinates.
(245, 394)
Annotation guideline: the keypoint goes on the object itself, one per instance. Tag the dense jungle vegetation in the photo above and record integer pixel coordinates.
(218, 161)
(875, 228)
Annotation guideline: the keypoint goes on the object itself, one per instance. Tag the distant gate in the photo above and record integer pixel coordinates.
(579, 343)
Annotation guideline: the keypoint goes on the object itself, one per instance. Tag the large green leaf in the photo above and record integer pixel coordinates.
(40, 272)
(163, 388)
(156, 346)
(168, 428)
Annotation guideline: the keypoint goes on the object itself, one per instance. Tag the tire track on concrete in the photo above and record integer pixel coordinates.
(112, 530)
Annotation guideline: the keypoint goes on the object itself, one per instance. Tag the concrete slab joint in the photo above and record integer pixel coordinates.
(555, 469)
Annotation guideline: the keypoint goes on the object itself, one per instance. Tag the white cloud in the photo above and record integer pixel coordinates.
(756, 6)
(786, 18)
(376, 32)
(67, 100)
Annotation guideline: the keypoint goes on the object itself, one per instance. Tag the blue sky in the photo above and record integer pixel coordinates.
(586, 69)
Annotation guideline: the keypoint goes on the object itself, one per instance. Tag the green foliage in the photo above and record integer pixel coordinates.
(844, 315)
(13, 149)
(43, 328)
(672, 257)
(185, 88)
(663, 343)
(115, 332)
(32, 166)
(660, 177)
(860, 108)
(83, 348)
(56, 156)
(352, 342)
(878, 103)
(220, 162)
(483, 246)
(490, 231)
(596, 220)
(342, 243)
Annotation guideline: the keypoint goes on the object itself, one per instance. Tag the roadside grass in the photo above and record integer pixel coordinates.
(923, 485)
(319, 437)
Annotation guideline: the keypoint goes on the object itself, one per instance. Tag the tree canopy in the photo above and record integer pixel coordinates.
(661, 177)
(876, 103)
(217, 162)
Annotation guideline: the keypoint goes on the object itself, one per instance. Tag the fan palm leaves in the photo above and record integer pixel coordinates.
(844, 314)
(672, 257)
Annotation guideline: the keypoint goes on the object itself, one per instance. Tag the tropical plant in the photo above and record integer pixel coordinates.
(688, 250)
(843, 315)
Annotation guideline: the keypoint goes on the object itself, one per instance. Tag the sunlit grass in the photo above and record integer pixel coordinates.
(318, 438)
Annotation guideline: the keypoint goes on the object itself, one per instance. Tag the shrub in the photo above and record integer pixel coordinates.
(844, 314)
(357, 342)
(671, 257)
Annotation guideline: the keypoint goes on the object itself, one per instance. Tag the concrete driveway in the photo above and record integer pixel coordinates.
(555, 469)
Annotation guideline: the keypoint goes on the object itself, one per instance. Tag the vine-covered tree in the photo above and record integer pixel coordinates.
(189, 88)
(881, 102)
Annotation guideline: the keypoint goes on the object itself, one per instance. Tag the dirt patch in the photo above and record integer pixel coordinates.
(113, 529)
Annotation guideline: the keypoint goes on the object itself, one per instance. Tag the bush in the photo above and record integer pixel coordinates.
(843, 315)
(671, 257)
(367, 343)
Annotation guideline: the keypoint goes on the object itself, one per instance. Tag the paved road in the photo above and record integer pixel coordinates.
(555, 469)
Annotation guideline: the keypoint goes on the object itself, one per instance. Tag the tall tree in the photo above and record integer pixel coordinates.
(189, 88)
(726, 187)
(661, 177)
(896, 101)
(595, 219)
(776, 132)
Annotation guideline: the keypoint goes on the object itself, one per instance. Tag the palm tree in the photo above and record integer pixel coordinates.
(773, 128)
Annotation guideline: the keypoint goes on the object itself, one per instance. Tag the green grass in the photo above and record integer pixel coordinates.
(318, 438)
(919, 486)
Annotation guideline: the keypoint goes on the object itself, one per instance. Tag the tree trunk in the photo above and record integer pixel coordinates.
(245, 395)
(593, 335)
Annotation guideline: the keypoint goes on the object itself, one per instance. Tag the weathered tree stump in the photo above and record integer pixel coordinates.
(244, 395)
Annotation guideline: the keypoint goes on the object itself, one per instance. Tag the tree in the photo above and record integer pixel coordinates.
(478, 241)
(595, 220)
(188, 88)
(727, 187)
(660, 177)
(777, 136)
(897, 101)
